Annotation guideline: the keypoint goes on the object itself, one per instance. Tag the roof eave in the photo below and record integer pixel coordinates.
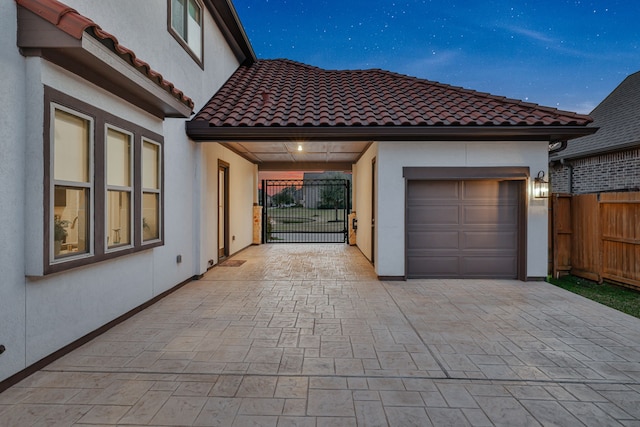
(91, 59)
(596, 152)
(226, 17)
(201, 131)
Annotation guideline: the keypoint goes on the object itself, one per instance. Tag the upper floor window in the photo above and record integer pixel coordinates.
(186, 25)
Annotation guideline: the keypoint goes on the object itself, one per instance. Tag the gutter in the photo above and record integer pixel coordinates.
(199, 130)
(554, 150)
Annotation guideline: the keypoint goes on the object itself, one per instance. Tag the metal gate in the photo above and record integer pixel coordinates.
(305, 210)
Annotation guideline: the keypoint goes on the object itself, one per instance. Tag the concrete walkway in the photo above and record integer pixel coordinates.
(305, 335)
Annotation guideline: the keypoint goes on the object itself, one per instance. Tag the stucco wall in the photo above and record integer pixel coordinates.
(12, 190)
(242, 193)
(393, 156)
(362, 195)
(141, 26)
(606, 172)
(39, 315)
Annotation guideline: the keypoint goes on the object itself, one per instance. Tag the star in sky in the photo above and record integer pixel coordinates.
(568, 54)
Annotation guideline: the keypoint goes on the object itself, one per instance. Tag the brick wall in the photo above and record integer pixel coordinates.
(607, 172)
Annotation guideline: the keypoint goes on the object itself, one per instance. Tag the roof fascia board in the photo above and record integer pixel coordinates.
(96, 63)
(226, 17)
(597, 152)
(201, 131)
(124, 70)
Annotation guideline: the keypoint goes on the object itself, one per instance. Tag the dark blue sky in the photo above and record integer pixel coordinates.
(568, 54)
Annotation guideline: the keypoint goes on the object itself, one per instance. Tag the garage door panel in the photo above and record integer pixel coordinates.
(490, 240)
(473, 235)
(433, 215)
(490, 190)
(491, 214)
(487, 266)
(440, 190)
(434, 266)
(438, 240)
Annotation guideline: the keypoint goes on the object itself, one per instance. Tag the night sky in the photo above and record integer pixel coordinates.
(568, 54)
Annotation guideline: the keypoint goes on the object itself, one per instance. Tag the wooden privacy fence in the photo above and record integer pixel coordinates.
(596, 236)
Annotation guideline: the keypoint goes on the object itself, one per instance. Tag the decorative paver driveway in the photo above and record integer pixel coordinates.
(305, 335)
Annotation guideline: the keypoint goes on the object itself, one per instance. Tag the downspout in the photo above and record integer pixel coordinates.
(553, 149)
(568, 164)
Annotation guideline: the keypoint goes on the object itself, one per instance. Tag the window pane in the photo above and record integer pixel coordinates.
(150, 216)
(118, 218)
(150, 157)
(70, 224)
(177, 16)
(70, 147)
(118, 158)
(194, 29)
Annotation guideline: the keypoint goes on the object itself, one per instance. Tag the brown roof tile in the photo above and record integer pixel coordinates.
(303, 95)
(73, 23)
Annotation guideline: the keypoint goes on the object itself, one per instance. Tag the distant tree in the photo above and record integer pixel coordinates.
(285, 197)
(334, 195)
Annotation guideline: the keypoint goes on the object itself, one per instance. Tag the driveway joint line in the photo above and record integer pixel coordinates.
(438, 361)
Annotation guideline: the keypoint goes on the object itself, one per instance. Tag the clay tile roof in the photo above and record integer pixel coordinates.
(362, 98)
(73, 23)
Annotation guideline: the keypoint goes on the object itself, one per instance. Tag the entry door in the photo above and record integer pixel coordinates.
(223, 209)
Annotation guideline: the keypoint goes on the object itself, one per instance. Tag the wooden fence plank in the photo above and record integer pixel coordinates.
(561, 234)
(604, 231)
(586, 237)
(620, 233)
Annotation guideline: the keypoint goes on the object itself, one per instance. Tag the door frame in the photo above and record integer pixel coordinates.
(374, 200)
(223, 223)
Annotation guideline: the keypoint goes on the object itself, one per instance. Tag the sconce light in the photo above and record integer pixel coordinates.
(299, 147)
(540, 186)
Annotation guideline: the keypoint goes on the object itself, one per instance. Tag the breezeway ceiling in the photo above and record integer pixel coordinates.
(311, 155)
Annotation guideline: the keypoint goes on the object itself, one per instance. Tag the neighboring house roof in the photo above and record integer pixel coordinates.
(74, 24)
(618, 120)
(284, 94)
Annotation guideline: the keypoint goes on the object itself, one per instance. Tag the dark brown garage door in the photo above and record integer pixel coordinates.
(462, 229)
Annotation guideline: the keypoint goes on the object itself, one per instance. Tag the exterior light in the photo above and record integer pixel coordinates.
(299, 147)
(540, 187)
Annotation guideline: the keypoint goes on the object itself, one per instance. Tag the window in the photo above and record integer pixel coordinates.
(119, 189)
(150, 191)
(185, 17)
(72, 184)
(103, 192)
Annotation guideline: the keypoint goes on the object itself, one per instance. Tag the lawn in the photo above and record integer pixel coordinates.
(304, 219)
(622, 299)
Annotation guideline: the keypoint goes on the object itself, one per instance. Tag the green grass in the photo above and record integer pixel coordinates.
(622, 299)
(305, 219)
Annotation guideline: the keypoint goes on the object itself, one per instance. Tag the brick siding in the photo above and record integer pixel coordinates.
(606, 172)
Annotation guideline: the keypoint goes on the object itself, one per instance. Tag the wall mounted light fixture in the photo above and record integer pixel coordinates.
(540, 186)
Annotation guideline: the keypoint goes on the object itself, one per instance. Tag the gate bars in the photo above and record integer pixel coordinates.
(305, 210)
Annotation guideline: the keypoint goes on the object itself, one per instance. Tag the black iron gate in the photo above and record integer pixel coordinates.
(305, 210)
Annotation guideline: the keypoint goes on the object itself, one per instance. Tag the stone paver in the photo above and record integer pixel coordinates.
(305, 335)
